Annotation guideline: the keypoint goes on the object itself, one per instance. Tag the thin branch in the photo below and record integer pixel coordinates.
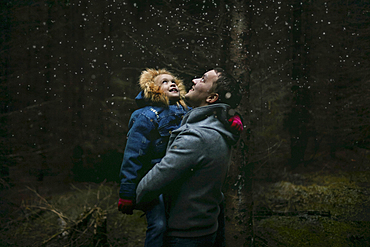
(29, 107)
(50, 207)
(88, 214)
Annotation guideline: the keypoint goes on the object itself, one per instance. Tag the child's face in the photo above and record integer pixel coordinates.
(167, 84)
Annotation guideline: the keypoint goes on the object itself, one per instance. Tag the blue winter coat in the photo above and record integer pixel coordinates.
(149, 130)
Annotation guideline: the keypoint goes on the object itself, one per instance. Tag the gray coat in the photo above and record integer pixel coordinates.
(192, 172)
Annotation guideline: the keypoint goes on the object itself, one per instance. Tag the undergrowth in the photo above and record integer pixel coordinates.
(315, 207)
(87, 215)
(328, 209)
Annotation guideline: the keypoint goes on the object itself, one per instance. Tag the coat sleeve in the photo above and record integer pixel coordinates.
(136, 155)
(181, 158)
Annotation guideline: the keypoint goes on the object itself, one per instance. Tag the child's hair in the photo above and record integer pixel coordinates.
(153, 92)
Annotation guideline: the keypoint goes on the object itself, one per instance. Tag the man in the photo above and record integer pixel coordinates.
(191, 174)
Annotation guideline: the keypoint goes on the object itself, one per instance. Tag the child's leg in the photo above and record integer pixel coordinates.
(156, 219)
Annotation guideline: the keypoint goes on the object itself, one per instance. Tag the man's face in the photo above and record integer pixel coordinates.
(202, 89)
(168, 86)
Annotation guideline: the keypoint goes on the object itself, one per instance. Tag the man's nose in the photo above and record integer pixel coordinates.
(195, 81)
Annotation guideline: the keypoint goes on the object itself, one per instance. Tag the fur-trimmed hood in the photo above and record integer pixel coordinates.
(152, 94)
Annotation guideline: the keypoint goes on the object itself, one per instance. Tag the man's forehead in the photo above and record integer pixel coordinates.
(211, 73)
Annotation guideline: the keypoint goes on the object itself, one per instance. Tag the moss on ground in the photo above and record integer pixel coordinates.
(318, 231)
(344, 194)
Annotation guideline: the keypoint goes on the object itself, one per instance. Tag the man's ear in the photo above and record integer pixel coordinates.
(212, 98)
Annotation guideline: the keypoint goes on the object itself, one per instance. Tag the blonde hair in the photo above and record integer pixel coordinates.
(154, 92)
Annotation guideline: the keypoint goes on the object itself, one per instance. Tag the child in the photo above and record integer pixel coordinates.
(161, 108)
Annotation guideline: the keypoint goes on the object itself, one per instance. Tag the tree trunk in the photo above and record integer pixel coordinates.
(74, 93)
(298, 119)
(239, 202)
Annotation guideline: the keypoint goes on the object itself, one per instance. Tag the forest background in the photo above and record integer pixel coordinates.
(69, 76)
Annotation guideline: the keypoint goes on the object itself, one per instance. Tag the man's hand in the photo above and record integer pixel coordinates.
(236, 123)
(126, 206)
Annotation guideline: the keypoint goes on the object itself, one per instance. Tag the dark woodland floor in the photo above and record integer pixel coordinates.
(326, 203)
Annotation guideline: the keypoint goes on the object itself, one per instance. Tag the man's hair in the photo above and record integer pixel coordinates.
(227, 88)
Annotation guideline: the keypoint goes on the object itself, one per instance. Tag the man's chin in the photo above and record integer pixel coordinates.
(187, 100)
